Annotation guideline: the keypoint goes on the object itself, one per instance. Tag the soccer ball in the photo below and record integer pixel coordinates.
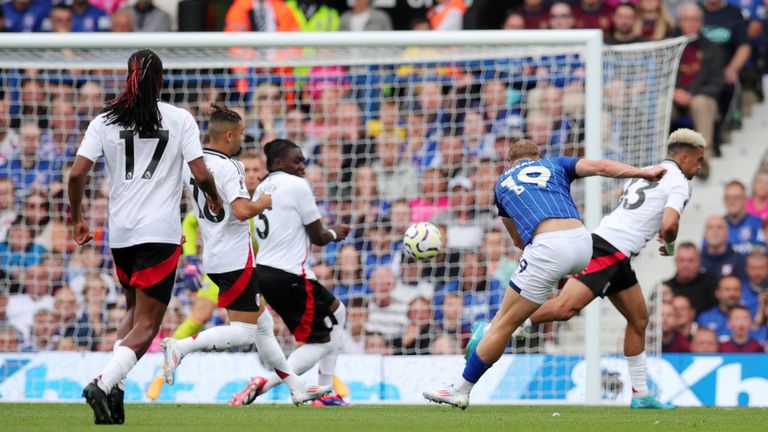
(422, 241)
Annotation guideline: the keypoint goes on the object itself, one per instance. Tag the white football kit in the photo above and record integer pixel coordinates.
(637, 218)
(283, 240)
(226, 240)
(145, 175)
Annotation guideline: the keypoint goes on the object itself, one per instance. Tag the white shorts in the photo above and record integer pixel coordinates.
(550, 257)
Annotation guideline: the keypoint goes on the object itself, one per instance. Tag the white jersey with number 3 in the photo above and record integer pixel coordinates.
(144, 175)
(637, 218)
(226, 240)
(283, 241)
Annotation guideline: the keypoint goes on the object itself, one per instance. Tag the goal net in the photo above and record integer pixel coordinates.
(393, 133)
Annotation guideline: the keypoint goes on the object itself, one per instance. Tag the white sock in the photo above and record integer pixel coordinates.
(327, 365)
(122, 361)
(463, 386)
(272, 355)
(301, 360)
(220, 338)
(638, 374)
(120, 384)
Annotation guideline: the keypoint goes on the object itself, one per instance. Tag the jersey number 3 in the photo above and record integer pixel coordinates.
(162, 141)
(538, 175)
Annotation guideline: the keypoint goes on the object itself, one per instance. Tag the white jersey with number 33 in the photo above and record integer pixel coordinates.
(145, 175)
(637, 218)
(226, 240)
(283, 241)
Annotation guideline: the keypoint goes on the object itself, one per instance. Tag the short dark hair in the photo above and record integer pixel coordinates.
(357, 302)
(277, 149)
(728, 276)
(687, 245)
(221, 113)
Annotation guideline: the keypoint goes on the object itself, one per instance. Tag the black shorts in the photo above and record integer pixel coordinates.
(609, 271)
(238, 290)
(149, 267)
(303, 304)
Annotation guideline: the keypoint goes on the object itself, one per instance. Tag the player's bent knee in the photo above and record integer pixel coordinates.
(251, 329)
(265, 324)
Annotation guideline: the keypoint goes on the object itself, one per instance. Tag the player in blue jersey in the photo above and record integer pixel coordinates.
(535, 205)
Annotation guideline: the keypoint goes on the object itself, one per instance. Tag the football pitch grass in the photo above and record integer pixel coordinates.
(364, 418)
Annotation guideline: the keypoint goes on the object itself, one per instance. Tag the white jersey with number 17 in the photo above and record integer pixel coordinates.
(145, 175)
(283, 241)
(637, 218)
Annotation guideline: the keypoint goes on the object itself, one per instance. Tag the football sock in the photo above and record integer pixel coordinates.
(327, 365)
(637, 374)
(474, 369)
(118, 367)
(120, 384)
(219, 338)
(191, 326)
(272, 355)
(301, 360)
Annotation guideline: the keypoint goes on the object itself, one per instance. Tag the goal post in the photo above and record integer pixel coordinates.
(611, 101)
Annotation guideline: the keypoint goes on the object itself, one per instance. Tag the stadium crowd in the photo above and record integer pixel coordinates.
(417, 149)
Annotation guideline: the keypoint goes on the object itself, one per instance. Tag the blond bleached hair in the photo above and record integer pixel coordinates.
(687, 137)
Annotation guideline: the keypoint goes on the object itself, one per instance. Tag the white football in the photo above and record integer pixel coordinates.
(422, 241)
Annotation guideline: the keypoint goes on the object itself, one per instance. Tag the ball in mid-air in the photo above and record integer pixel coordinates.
(422, 241)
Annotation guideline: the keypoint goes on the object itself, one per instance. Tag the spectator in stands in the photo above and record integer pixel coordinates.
(90, 100)
(315, 15)
(689, 280)
(67, 308)
(410, 281)
(362, 17)
(537, 15)
(19, 251)
(87, 260)
(685, 316)
(366, 206)
(270, 113)
(391, 169)
(484, 178)
(377, 343)
(148, 18)
(29, 170)
(515, 20)
(447, 15)
(88, 18)
(654, 20)
(624, 29)
(35, 295)
(9, 139)
(8, 211)
(94, 311)
(9, 338)
(500, 119)
(260, 15)
(760, 324)
(325, 100)
(34, 100)
(60, 19)
(740, 341)
(745, 231)
(464, 222)
(725, 26)
(501, 265)
(353, 341)
(387, 311)
(295, 121)
(358, 149)
(704, 342)
(3, 306)
(451, 155)
(592, 14)
(379, 251)
(756, 280)
(699, 79)
(445, 344)
(60, 143)
(331, 159)
(482, 296)
(106, 342)
(561, 16)
(388, 120)
(417, 335)
(25, 15)
(122, 21)
(717, 256)
(37, 213)
(728, 296)
(400, 215)
(432, 198)
(42, 336)
(757, 204)
(538, 128)
(350, 274)
(477, 142)
(672, 341)
(453, 322)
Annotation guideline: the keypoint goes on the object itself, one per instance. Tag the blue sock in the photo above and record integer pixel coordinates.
(475, 368)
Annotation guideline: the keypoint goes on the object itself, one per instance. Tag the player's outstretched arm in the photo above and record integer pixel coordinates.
(321, 236)
(78, 174)
(244, 209)
(613, 169)
(205, 181)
